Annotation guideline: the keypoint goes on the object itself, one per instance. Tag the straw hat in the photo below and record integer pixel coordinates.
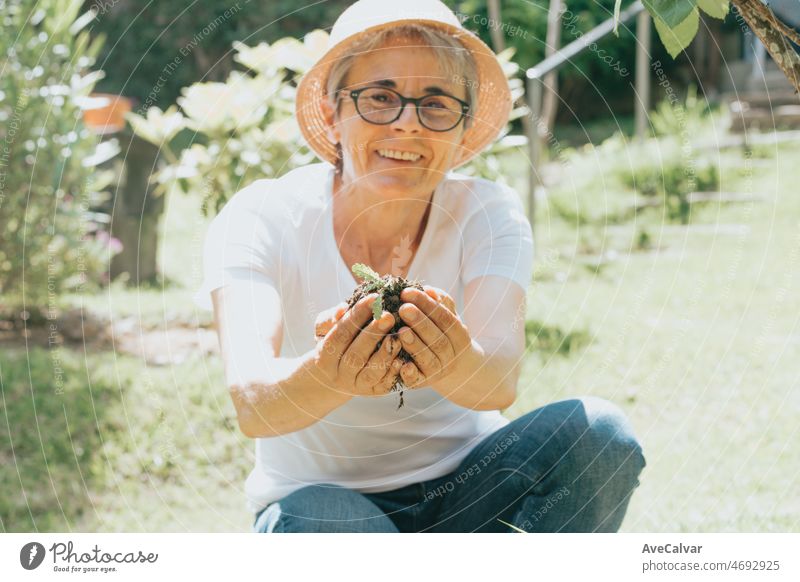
(487, 118)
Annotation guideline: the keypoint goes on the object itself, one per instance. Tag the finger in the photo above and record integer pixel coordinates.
(440, 295)
(411, 375)
(426, 360)
(446, 320)
(326, 319)
(345, 331)
(388, 381)
(378, 364)
(433, 292)
(361, 349)
(430, 334)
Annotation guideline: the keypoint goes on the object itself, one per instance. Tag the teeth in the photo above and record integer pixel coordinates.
(397, 155)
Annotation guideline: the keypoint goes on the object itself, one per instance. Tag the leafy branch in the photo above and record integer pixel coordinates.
(677, 23)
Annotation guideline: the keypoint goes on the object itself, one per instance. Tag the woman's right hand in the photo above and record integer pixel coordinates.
(345, 353)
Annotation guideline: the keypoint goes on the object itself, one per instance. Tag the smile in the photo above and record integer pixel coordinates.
(398, 155)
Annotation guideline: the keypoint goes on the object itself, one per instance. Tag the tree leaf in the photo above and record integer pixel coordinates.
(716, 8)
(671, 12)
(677, 38)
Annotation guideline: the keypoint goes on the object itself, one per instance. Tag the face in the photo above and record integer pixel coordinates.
(370, 151)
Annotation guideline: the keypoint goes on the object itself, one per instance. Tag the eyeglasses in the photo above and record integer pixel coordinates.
(382, 106)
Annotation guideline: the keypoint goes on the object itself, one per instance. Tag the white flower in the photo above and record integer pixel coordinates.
(257, 58)
(159, 126)
(207, 105)
(286, 53)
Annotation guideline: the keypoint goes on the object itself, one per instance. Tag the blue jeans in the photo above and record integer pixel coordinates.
(569, 466)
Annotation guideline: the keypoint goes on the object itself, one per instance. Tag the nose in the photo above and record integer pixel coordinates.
(408, 120)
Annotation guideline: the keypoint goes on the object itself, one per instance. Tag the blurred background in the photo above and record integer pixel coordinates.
(662, 192)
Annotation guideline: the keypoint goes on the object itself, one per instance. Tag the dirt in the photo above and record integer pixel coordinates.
(77, 329)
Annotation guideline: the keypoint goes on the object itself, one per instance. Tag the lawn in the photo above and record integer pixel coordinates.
(691, 328)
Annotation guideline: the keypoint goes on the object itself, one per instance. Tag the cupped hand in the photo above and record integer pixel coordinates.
(346, 355)
(435, 337)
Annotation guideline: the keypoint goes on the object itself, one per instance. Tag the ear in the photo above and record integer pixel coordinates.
(329, 114)
(461, 142)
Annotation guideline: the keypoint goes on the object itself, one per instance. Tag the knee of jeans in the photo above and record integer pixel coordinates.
(272, 518)
(324, 507)
(267, 520)
(316, 492)
(609, 433)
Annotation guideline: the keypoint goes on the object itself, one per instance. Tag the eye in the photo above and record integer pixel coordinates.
(379, 97)
(436, 102)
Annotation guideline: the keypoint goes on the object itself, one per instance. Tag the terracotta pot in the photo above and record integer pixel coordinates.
(105, 112)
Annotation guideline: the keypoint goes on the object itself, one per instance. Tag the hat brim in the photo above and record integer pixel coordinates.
(487, 118)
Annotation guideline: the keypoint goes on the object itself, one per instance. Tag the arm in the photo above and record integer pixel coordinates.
(482, 368)
(494, 313)
(271, 395)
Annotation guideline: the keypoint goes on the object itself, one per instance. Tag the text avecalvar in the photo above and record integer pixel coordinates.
(671, 549)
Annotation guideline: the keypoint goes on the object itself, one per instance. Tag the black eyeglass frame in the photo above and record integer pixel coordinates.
(465, 107)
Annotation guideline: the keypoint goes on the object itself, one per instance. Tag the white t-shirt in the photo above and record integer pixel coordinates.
(281, 231)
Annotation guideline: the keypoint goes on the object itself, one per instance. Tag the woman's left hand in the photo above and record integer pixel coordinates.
(436, 338)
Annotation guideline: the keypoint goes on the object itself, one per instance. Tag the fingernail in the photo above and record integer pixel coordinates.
(386, 323)
(410, 314)
(389, 343)
(408, 337)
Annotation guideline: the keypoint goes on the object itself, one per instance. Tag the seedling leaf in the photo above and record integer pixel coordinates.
(366, 273)
(377, 307)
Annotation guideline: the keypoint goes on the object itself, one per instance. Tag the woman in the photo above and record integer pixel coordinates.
(402, 97)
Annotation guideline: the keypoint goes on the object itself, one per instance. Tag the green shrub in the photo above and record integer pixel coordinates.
(50, 240)
(245, 127)
(670, 170)
(552, 340)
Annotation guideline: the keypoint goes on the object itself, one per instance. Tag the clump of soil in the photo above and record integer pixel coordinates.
(389, 288)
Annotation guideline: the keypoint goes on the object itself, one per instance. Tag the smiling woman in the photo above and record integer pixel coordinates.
(402, 97)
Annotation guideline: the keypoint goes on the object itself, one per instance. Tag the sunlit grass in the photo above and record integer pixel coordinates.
(699, 343)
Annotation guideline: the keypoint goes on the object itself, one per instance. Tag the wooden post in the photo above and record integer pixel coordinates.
(642, 98)
(534, 91)
(495, 29)
(552, 42)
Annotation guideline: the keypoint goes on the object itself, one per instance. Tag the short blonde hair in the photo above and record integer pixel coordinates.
(457, 62)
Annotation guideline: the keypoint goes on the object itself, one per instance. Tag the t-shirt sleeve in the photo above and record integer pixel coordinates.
(242, 244)
(498, 238)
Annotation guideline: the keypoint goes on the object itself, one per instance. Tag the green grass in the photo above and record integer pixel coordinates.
(119, 446)
(697, 340)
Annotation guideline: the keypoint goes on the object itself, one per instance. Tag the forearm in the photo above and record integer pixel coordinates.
(489, 382)
(288, 395)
